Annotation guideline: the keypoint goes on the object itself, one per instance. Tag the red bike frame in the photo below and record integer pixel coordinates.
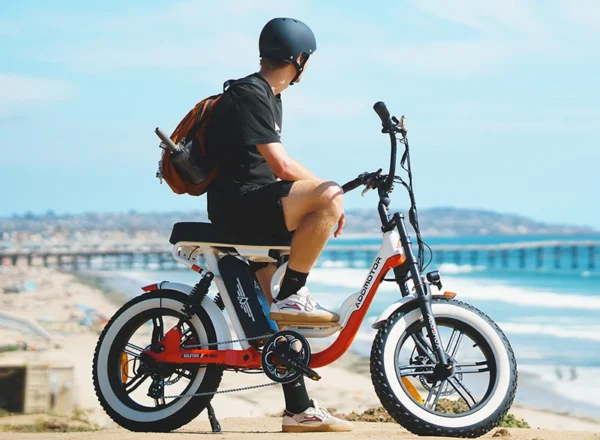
(172, 353)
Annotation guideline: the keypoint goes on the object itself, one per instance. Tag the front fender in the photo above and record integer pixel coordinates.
(406, 303)
(213, 311)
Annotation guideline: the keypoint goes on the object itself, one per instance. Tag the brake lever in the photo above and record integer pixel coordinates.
(371, 182)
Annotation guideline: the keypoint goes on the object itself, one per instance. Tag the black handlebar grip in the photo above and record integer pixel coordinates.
(383, 114)
(166, 139)
(353, 184)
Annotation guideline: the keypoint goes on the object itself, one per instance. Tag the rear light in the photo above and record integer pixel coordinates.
(150, 287)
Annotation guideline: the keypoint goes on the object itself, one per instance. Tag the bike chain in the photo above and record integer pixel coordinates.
(232, 390)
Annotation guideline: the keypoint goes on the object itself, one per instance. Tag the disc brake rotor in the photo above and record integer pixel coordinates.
(426, 380)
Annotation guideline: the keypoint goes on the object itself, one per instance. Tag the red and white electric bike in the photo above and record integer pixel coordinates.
(160, 359)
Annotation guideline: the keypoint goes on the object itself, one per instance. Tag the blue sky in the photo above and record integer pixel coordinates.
(501, 98)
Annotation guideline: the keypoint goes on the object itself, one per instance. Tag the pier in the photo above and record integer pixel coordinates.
(543, 255)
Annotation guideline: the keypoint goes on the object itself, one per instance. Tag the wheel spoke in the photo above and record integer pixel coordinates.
(157, 330)
(430, 394)
(132, 350)
(462, 391)
(451, 340)
(473, 367)
(415, 370)
(441, 390)
(185, 373)
(456, 345)
(135, 382)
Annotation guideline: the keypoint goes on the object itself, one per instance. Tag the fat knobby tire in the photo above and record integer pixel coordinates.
(195, 405)
(404, 417)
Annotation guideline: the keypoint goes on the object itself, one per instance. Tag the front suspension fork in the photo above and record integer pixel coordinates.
(423, 294)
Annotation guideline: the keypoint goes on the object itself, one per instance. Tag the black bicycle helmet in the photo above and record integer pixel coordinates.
(284, 39)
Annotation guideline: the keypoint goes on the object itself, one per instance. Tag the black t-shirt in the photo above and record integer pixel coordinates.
(246, 115)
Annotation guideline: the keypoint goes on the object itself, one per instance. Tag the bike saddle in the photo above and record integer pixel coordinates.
(208, 233)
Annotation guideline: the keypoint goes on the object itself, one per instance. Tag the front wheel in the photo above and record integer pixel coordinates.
(466, 401)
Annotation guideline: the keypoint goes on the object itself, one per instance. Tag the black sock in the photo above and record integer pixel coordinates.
(296, 397)
(292, 282)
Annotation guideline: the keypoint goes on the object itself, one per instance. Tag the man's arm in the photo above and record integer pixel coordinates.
(282, 165)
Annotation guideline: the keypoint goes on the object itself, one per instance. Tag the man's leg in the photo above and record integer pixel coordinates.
(264, 276)
(295, 393)
(311, 210)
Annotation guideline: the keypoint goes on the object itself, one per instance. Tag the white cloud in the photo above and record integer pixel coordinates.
(221, 50)
(18, 92)
(448, 58)
(303, 105)
(509, 30)
(490, 16)
(583, 12)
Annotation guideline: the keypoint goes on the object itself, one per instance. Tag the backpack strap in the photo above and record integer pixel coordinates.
(250, 80)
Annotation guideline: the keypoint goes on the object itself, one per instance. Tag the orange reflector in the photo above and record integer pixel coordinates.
(124, 367)
(412, 390)
(450, 295)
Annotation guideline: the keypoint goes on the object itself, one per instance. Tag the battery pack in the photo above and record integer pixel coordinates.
(247, 297)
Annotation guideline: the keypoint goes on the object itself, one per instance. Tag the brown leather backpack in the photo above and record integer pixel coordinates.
(190, 135)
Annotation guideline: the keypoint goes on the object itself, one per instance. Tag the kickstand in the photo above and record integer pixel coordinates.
(212, 418)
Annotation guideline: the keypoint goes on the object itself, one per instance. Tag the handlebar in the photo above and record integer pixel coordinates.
(384, 114)
(390, 126)
(353, 184)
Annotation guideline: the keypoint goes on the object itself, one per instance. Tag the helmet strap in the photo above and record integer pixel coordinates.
(299, 68)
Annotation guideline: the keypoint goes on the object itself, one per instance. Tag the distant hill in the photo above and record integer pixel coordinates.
(434, 222)
(454, 221)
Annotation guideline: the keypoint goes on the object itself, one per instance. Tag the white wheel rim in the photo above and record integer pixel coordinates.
(489, 334)
(103, 381)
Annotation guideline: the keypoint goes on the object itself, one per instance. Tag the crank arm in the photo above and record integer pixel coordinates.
(292, 362)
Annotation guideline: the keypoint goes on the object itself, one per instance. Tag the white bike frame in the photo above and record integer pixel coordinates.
(352, 310)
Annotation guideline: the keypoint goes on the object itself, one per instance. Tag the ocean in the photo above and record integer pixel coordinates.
(551, 316)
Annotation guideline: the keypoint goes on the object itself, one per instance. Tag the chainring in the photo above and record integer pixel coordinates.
(292, 341)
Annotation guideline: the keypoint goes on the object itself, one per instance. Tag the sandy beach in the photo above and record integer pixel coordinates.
(74, 312)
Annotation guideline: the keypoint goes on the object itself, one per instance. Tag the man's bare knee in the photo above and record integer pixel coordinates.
(307, 197)
(332, 200)
(328, 194)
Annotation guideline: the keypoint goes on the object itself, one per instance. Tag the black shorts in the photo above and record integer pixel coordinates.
(256, 213)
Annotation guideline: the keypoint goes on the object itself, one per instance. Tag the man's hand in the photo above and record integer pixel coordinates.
(340, 226)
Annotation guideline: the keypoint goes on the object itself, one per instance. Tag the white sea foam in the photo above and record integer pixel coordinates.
(559, 379)
(468, 289)
(584, 332)
(453, 269)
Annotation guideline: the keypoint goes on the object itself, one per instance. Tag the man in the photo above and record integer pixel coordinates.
(260, 191)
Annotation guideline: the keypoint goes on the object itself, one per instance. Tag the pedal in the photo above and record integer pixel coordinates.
(293, 362)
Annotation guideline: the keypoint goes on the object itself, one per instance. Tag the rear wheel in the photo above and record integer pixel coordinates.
(466, 401)
(136, 392)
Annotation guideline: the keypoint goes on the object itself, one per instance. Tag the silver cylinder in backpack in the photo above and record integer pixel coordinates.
(181, 157)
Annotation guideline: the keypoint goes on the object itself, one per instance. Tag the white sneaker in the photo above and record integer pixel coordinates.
(301, 307)
(314, 419)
